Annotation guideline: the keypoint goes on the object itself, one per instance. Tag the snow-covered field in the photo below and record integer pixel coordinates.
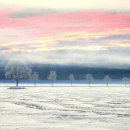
(65, 108)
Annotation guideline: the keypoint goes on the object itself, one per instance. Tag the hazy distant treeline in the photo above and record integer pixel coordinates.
(63, 71)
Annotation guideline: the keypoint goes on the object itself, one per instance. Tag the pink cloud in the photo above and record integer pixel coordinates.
(55, 24)
(70, 21)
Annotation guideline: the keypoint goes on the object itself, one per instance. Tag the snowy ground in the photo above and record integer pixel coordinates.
(65, 108)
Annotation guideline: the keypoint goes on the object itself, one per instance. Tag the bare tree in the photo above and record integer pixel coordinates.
(34, 77)
(125, 80)
(71, 78)
(89, 78)
(107, 78)
(52, 76)
(17, 70)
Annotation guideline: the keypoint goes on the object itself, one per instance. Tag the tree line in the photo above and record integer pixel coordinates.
(18, 70)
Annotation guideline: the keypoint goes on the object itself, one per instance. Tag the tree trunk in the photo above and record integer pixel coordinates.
(71, 83)
(17, 82)
(34, 83)
(107, 83)
(52, 83)
(88, 83)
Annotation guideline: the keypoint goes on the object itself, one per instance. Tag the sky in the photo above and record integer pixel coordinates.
(80, 32)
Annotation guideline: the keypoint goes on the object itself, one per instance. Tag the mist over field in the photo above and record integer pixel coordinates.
(63, 71)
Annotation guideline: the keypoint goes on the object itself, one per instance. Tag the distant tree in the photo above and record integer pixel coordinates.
(52, 76)
(89, 78)
(125, 80)
(71, 78)
(17, 70)
(34, 77)
(107, 78)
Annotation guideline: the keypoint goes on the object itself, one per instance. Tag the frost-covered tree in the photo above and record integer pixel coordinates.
(89, 78)
(71, 78)
(52, 76)
(34, 76)
(125, 80)
(17, 70)
(107, 78)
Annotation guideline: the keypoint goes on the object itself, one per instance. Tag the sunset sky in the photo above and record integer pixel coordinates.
(81, 32)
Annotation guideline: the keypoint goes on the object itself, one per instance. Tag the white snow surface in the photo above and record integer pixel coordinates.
(65, 108)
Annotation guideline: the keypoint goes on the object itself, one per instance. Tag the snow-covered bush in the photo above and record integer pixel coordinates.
(107, 78)
(89, 78)
(34, 76)
(71, 78)
(52, 76)
(125, 80)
